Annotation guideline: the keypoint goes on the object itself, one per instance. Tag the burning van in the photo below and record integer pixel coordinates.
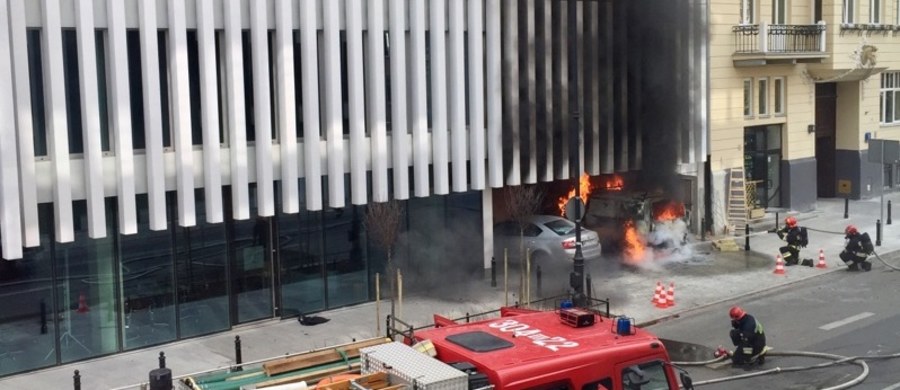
(631, 222)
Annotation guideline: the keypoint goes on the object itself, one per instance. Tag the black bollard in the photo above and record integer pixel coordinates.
(76, 380)
(161, 379)
(493, 272)
(846, 208)
(43, 317)
(162, 360)
(889, 213)
(467, 317)
(387, 325)
(587, 283)
(776, 220)
(702, 229)
(747, 237)
(237, 354)
(539, 283)
(878, 233)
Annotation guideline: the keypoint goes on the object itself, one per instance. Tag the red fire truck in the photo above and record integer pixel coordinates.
(547, 350)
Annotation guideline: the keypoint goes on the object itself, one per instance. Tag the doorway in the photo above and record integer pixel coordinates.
(826, 107)
(250, 244)
(762, 164)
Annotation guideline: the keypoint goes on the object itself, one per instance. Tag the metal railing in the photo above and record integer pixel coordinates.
(779, 38)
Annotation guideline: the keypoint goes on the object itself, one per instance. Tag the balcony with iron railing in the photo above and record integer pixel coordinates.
(762, 44)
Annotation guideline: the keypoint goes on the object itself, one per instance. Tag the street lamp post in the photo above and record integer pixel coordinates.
(576, 279)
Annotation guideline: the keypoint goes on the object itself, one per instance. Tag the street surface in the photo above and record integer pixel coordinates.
(842, 313)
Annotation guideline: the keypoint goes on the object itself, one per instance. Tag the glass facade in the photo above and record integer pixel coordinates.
(65, 302)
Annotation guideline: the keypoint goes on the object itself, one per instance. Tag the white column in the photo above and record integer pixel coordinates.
(375, 96)
(356, 103)
(439, 137)
(476, 94)
(237, 125)
(21, 78)
(181, 115)
(120, 115)
(494, 67)
(209, 111)
(262, 109)
(399, 135)
(547, 64)
(90, 118)
(763, 37)
(512, 105)
(334, 126)
(457, 96)
(286, 100)
(310, 80)
(57, 127)
(156, 173)
(594, 88)
(418, 97)
(10, 221)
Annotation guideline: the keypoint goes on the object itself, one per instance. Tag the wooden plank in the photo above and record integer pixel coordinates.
(316, 358)
(310, 377)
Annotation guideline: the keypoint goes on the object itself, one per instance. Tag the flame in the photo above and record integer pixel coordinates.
(586, 187)
(634, 246)
(613, 183)
(668, 211)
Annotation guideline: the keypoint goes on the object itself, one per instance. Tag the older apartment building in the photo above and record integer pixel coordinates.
(797, 88)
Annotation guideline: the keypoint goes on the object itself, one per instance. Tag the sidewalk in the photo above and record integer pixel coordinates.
(702, 277)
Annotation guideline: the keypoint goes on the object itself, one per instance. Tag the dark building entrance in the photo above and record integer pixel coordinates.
(762, 162)
(826, 104)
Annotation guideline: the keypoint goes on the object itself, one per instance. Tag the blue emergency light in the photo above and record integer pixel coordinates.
(624, 326)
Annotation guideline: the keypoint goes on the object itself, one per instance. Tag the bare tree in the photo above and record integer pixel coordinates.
(383, 224)
(522, 201)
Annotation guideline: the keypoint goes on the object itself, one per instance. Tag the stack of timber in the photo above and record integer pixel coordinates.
(292, 372)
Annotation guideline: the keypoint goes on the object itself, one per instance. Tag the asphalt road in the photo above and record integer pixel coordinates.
(843, 313)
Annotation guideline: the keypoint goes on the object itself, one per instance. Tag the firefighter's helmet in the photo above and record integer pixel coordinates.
(790, 222)
(850, 230)
(736, 313)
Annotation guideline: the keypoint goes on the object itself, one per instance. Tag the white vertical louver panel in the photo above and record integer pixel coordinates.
(57, 127)
(400, 152)
(90, 118)
(356, 103)
(24, 123)
(10, 222)
(156, 174)
(418, 97)
(286, 100)
(547, 63)
(375, 99)
(334, 120)
(439, 138)
(237, 127)
(494, 67)
(262, 108)
(476, 93)
(209, 111)
(120, 118)
(512, 105)
(594, 87)
(181, 115)
(310, 85)
(457, 96)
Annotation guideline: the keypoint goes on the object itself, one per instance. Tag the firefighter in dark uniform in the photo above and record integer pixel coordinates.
(792, 235)
(748, 336)
(857, 248)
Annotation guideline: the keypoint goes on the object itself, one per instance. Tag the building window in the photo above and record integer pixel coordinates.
(747, 14)
(890, 97)
(849, 12)
(897, 12)
(779, 11)
(748, 97)
(875, 11)
(778, 104)
(763, 96)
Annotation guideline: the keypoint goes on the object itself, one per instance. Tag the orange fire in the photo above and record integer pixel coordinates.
(613, 183)
(634, 247)
(586, 187)
(668, 211)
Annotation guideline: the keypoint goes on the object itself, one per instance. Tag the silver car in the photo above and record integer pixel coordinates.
(549, 237)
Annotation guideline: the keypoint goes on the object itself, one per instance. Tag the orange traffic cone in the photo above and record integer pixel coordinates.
(659, 291)
(779, 265)
(670, 295)
(663, 301)
(821, 263)
(82, 304)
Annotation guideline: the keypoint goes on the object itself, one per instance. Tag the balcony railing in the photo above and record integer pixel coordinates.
(779, 38)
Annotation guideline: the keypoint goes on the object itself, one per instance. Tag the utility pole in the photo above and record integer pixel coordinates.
(576, 279)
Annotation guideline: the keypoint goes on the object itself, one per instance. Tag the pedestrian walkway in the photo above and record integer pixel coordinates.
(701, 276)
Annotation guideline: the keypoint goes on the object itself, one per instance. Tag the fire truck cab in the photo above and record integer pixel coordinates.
(570, 349)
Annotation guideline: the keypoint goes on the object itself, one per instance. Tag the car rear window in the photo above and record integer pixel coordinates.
(560, 226)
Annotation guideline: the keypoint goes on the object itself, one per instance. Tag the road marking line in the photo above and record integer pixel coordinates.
(895, 386)
(846, 321)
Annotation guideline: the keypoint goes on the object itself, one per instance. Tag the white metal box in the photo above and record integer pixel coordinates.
(406, 365)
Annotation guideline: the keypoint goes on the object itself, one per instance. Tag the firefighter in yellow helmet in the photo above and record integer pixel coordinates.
(748, 337)
(796, 238)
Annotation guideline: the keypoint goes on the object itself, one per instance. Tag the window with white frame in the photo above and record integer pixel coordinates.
(875, 11)
(747, 14)
(849, 12)
(890, 98)
(762, 96)
(779, 11)
(778, 87)
(897, 12)
(748, 97)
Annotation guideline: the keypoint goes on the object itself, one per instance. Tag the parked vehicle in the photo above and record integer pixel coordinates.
(550, 238)
(609, 212)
